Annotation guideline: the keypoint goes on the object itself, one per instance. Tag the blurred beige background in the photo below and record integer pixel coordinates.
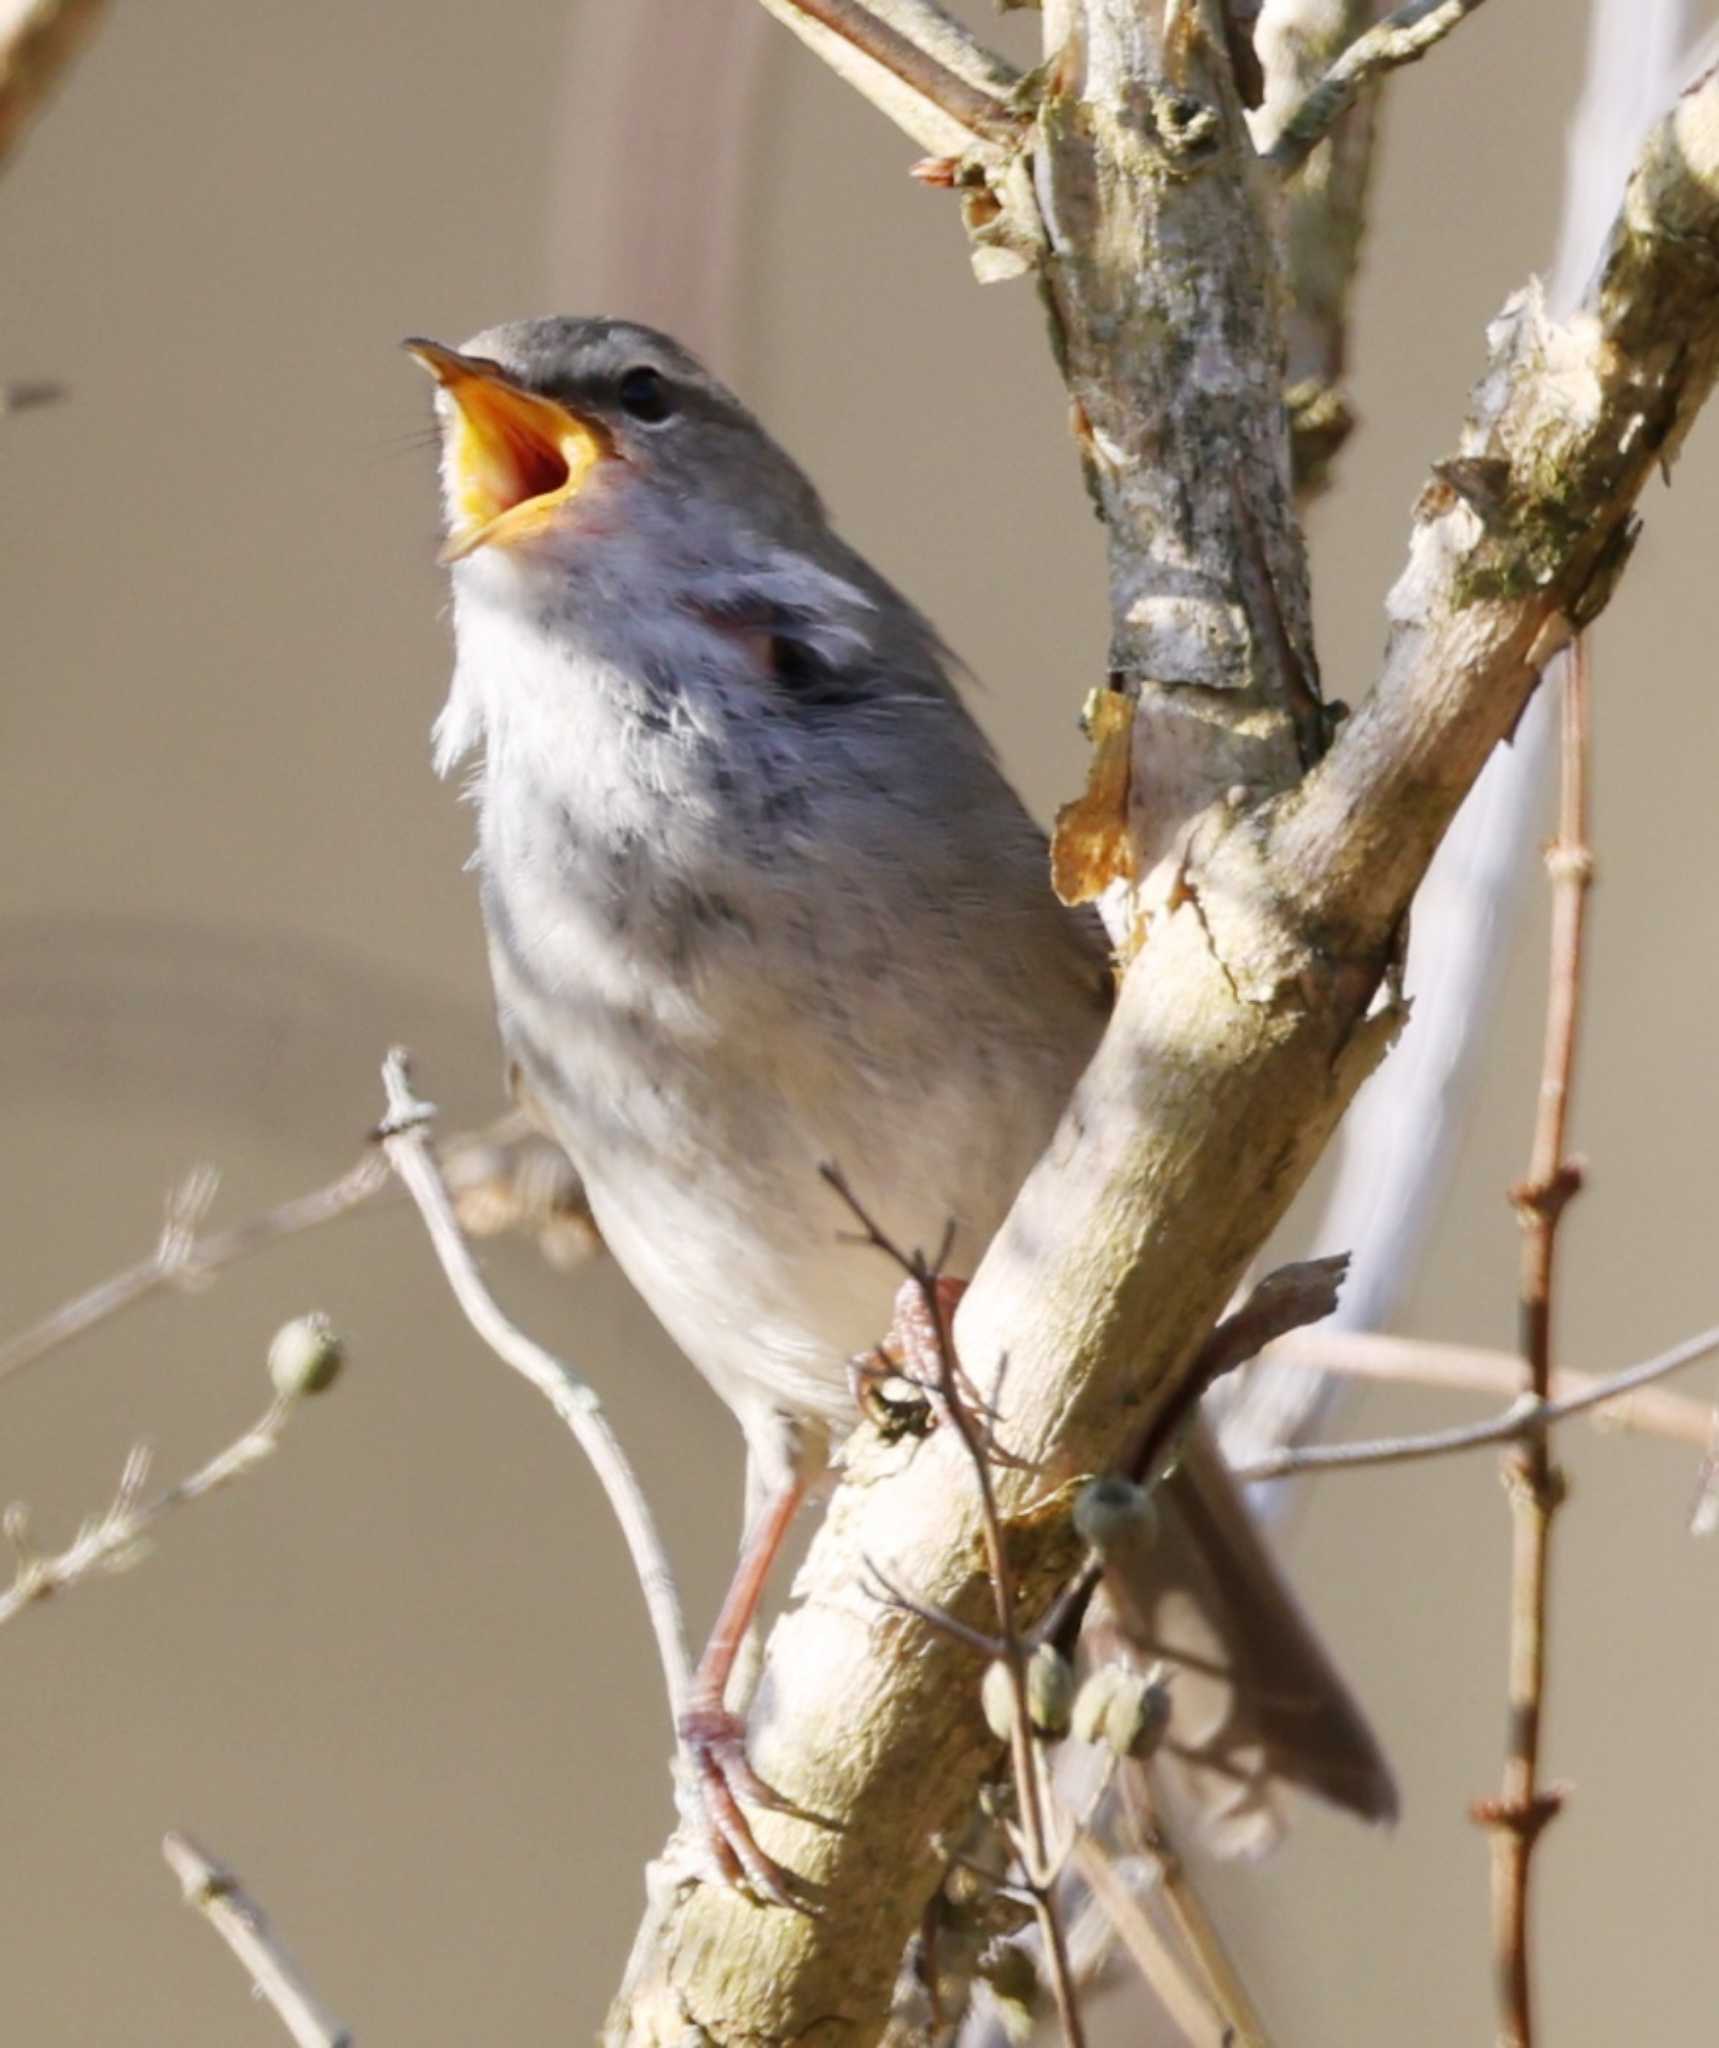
(399, 1677)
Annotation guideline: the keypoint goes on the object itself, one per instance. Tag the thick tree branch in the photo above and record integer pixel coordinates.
(1519, 540)
(1237, 1044)
(1174, 361)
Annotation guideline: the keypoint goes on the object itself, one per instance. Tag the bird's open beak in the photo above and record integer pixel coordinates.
(513, 459)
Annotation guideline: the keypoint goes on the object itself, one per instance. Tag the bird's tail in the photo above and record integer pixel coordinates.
(1255, 1701)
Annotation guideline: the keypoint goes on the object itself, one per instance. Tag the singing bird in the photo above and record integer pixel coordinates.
(759, 898)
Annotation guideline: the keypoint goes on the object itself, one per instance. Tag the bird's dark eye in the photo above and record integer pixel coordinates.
(808, 678)
(644, 395)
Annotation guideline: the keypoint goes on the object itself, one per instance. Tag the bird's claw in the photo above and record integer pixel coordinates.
(713, 1745)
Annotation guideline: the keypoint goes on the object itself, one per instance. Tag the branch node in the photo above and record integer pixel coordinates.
(1524, 1819)
(1544, 1201)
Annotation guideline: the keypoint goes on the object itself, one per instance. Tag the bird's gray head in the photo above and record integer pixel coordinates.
(560, 432)
(609, 499)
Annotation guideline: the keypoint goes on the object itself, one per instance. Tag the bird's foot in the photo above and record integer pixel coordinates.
(720, 1775)
(911, 1362)
(919, 1344)
(882, 1393)
(918, 1357)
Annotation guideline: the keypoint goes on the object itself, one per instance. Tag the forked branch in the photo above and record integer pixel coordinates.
(1401, 38)
(1236, 1045)
(304, 1359)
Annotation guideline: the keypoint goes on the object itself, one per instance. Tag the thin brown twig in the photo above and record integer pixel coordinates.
(907, 60)
(404, 1138)
(1401, 38)
(887, 1593)
(213, 1891)
(1526, 1419)
(1288, 1298)
(113, 1539)
(1519, 1815)
(1040, 1861)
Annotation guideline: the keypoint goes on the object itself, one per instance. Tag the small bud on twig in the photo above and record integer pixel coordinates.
(1050, 1691)
(1114, 1510)
(305, 1357)
(1050, 1694)
(997, 1700)
(1124, 1709)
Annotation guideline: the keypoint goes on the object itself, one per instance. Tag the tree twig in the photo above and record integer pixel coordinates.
(1525, 1420)
(493, 1174)
(404, 1138)
(183, 1258)
(1287, 1299)
(1401, 38)
(1419, 1361)
(113, 1539)
(213, 1891)
(1324, 224)
(1519, 1816)
(1243, 2024)
(1152, 1955)
(922, 1317)
(913, 45)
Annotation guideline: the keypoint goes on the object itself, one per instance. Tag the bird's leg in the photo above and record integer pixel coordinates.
(712, 1736)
